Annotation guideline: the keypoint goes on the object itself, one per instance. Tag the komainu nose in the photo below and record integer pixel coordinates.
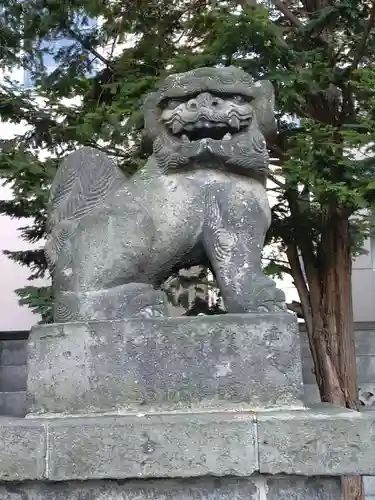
(192, 104)
(216, 101)
(204, 100)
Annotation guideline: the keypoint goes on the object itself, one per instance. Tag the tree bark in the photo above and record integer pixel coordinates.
(352, 488)
(336, 311)
(326, 301)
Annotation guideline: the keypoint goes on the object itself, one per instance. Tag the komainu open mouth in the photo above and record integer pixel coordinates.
(207, 115)
(204, 129)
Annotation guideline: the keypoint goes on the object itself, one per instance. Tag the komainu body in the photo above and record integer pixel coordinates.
(200, 199)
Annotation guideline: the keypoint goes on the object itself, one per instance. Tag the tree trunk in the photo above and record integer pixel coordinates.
(326, 300)
(341, 386)
(352, 488)
(335, 345)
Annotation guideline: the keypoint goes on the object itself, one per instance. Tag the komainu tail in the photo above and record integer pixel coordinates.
(85, 179)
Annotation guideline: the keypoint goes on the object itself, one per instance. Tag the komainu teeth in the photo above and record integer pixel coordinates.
(234, 122)
(185, 138)
(176, 127)
(227, 137)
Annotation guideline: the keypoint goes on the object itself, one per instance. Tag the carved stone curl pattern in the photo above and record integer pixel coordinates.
(199, 200)
(366, 397)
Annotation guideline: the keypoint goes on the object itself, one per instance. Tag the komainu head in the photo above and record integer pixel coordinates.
(217, 116)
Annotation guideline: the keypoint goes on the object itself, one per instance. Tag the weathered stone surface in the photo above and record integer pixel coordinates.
(302, 488)
(201, 197)
(326, 440)
(185, 445)
(22, 449)
(253, 488)
(227, 361)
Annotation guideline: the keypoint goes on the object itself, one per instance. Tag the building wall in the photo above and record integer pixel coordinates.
(363, 284)
(12, 275)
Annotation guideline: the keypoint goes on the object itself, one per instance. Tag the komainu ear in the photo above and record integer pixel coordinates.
(264, 105)
(151, 116)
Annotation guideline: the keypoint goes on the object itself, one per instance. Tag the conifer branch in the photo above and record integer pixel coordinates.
(361, 47)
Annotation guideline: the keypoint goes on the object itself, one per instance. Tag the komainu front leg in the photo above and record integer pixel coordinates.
(234, 239)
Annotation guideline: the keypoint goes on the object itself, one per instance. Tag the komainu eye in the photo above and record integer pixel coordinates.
(239, 98)
(173, 103)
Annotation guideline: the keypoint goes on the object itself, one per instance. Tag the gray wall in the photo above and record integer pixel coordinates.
(365, 347)
(13, 373)
(363, 283)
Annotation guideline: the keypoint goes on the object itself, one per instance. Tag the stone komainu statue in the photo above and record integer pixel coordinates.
(199, 199)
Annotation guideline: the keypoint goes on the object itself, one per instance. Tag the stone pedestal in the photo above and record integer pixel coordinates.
(241, 362)
(278, 455)
(192, 408)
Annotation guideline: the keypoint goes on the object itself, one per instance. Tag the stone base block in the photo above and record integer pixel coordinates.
(23, 446)
(253, 488)
(187, 445)
(232, 361)
(323, 442)
(122, 447)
